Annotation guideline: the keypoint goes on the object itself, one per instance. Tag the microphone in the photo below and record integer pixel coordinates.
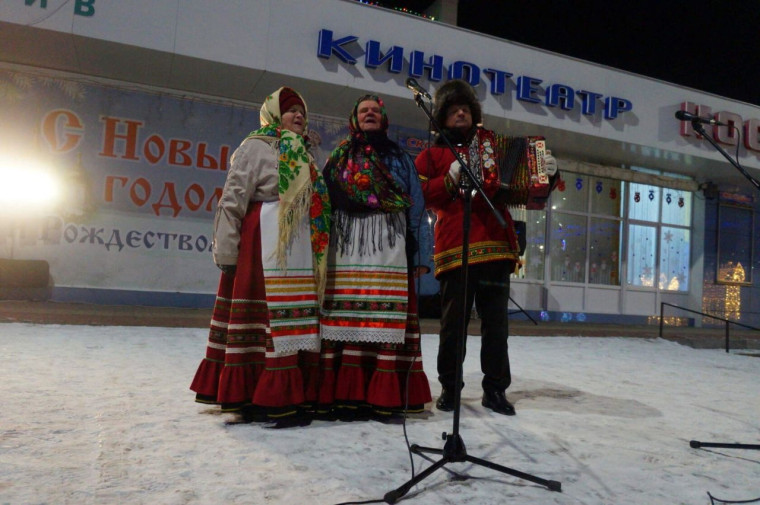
(412, 84)
(688, 116)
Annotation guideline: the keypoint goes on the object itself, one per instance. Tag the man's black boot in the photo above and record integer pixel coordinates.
(445, 402)
(497, 401)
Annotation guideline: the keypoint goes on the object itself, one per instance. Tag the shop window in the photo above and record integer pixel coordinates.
(604, 251)
(676, 207)
(642, 250)
(675, 245)
(606, 197)
(735, 239)
(572, 194)
(535, 250)
(659, 243)
(568, 247)
(644, 202)
(588, 219)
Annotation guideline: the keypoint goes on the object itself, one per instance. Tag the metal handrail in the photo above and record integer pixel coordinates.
(727, 321)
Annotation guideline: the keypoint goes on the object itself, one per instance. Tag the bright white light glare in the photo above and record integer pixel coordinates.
(24, 183)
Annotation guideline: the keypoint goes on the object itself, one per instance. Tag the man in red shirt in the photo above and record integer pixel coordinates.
(493, 250)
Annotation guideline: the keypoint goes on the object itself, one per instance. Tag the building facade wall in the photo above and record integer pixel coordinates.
(193, 72)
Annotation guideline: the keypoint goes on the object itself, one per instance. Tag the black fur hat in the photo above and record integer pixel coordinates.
(455, 92)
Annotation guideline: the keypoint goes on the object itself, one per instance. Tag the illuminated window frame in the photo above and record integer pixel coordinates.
(734, 221)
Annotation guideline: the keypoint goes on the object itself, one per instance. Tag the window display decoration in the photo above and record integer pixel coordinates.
(736, 236)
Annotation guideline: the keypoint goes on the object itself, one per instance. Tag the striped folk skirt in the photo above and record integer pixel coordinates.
(343, 377)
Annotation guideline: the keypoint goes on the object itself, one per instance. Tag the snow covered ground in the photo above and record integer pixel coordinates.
(103, 415)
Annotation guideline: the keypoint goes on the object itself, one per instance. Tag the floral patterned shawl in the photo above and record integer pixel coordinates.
(301, 188)
(356, 172)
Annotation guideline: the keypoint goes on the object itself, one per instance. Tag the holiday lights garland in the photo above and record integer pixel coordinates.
(400, 9)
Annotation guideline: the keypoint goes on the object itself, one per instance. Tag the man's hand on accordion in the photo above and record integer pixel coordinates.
(550, 163)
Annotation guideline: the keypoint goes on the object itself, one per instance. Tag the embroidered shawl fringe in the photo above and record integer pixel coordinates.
(370, 231)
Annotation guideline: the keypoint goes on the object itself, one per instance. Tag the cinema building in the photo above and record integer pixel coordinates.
(135, 107)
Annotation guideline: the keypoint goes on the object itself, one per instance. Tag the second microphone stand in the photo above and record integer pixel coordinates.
(697, 125)
(454, 450)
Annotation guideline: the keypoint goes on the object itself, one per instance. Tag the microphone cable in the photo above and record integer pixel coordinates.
(738, 143)
(405, 413)
(418, 256)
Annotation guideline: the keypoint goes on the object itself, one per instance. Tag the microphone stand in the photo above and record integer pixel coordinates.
(697, 125)
(454, 450)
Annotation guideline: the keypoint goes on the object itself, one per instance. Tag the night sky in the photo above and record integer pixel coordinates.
(711, 46)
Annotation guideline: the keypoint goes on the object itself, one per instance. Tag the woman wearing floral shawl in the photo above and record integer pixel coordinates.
(271, 233)
(370, 310)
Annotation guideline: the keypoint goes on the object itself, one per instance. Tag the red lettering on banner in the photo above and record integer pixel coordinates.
(141, 192)
(121, 140)
(109, 185)
(214, 199)
(178, 152)
(170, 193)
(160, 146)
(194, 203)
(143, 183)
(224, 155)
(62, 129)
(205, 160)
(110, 136)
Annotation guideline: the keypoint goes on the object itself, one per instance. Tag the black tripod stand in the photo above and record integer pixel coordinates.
(520, 309)
(454, 450)
(696, 124)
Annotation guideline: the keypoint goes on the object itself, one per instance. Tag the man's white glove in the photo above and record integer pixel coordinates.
(455, 171)
(550, 163)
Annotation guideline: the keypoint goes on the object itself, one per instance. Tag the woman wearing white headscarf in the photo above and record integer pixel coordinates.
(271, 233)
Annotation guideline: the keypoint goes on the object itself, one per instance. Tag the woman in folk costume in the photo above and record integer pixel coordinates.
(271, 233)
(370, 308)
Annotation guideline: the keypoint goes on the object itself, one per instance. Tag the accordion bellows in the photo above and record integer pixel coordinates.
(522, 173)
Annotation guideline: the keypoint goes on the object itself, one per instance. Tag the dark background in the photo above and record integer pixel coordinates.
(711, 46)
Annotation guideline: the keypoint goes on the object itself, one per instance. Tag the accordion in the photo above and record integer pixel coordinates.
(522, 174)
